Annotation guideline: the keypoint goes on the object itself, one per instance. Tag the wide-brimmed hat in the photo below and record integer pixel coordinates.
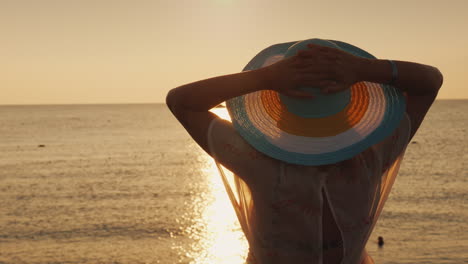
(326, 129)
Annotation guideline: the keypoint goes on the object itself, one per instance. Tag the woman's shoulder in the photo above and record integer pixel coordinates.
(234, 153)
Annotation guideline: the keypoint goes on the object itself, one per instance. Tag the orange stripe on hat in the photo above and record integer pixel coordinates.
(317, 127)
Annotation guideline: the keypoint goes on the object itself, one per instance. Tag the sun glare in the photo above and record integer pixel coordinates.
(221, 239)
(222, 112)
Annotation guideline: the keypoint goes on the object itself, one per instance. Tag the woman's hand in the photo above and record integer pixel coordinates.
(332, 70)
(342, 67)
(286, 75)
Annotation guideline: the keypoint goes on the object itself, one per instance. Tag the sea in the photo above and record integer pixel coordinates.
(126, 184)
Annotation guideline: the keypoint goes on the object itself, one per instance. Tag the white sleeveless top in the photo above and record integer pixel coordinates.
(280, 205)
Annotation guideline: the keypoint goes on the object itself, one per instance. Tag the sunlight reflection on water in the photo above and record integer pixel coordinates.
(217, 235)
(216, 232)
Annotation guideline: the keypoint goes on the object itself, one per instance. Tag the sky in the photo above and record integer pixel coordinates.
(135, 51)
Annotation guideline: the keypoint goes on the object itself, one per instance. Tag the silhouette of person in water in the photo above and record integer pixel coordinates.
(380, 241)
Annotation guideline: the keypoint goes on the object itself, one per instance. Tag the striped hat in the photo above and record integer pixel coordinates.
(326, 129)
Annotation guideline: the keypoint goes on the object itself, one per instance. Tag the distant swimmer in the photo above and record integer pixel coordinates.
(381, 242)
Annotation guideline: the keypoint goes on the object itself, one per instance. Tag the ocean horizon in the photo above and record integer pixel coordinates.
(125, 183)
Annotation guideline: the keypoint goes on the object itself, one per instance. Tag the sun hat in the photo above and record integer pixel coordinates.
(326, 129)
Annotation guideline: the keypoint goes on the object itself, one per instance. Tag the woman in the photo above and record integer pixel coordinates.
(311, 200)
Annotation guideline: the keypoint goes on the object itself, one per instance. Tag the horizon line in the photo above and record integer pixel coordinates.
(148, 103)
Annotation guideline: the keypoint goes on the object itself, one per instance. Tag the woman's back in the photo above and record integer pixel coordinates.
(354, 103)
(306, 214)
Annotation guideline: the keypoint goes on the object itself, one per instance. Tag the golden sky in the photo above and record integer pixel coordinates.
(135, 51)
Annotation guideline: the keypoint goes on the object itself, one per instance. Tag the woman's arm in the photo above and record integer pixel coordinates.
(414, 78)
(190, 103)
(282, 76)
(420, 82)
(205, 94)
